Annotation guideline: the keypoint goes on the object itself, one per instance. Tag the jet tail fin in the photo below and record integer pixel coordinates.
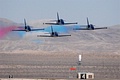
(25, 24)
(89, 26)
(58, 16)
(25, 21)
(51, 29)
(87, 21)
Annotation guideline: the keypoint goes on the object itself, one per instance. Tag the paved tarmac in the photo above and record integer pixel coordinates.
(57, 65)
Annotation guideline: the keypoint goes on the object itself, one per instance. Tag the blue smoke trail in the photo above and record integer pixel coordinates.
(56, 28)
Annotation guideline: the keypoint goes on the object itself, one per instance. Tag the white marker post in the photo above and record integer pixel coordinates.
(80, 58)
(79, 61)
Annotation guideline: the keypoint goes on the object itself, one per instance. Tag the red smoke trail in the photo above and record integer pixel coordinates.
(5, 30)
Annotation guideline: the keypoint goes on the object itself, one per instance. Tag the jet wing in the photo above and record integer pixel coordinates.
(18, 30)
(50, 23)
(31, 30)
(84, 27)
(37, 29)
(44, 36)
(57, 24)
(101, 28)
(52, 36)
(64, 35)
(70, 23)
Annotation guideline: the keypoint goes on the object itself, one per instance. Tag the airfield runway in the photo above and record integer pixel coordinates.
(33, 57)
(57, 65)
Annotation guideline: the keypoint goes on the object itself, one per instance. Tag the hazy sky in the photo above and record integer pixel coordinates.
(100, 12)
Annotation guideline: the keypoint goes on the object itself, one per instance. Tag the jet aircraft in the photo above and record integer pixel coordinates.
(27, 28)
(59, 21)
(88, 27)
(53, 34)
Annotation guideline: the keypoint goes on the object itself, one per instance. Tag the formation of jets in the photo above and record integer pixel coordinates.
(59, 22)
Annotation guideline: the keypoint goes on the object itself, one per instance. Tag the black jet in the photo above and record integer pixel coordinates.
(88, 27)
(53, 34)
(27, 28)
(59, 21)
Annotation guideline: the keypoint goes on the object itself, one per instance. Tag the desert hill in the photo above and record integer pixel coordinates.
(6, 22)
(104, 40)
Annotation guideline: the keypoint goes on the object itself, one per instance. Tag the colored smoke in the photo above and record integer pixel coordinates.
(56, 28)
(5, 30)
